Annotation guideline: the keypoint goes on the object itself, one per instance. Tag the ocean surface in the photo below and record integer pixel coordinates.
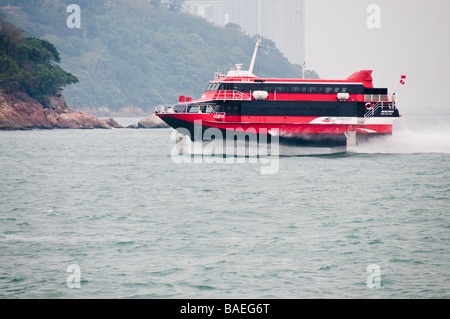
(111, 214)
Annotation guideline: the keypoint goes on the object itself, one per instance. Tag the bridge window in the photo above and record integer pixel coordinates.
(213, 87)
(226, 87)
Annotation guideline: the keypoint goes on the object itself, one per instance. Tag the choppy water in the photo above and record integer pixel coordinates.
(138, 225)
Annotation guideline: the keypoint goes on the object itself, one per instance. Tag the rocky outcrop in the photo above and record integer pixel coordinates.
(152, 121)
(111, 122)
(20, 112)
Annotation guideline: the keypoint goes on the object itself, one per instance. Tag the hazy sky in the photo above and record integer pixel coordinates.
(413, 39)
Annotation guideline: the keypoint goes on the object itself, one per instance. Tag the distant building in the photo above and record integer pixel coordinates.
(282, 21)
(212, 10)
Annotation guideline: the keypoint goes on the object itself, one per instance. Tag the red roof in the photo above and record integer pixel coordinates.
(363, 76)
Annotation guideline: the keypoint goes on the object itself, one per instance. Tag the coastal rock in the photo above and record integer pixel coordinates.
(152, 121)
(20, 112)
(111, 122)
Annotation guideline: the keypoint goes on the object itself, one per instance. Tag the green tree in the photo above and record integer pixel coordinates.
(29, 64)
(175, 5)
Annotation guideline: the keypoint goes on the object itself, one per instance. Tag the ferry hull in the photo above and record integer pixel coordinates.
(287, 135)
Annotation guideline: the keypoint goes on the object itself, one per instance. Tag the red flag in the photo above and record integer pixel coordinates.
(402, 79)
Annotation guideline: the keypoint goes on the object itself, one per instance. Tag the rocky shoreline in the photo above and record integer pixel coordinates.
(18, 111)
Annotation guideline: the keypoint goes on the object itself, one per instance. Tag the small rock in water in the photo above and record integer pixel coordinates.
(152, 121)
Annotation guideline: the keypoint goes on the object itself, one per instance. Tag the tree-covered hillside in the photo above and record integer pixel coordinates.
(138, 53)
(29, 65)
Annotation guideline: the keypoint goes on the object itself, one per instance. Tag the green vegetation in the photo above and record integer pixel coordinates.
(139, 53)
(29, 64)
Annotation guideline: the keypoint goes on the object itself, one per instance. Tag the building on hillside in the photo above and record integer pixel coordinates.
(282, 21)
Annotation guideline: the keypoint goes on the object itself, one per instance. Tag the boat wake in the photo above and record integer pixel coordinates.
(410, 139)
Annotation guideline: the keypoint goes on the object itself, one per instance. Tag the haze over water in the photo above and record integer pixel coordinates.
(139, 225)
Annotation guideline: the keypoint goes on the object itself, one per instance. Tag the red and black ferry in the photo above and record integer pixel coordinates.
(302, 112)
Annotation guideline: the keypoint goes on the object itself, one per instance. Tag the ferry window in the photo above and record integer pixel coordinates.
(267, 88)
(328, 89)
(304, 89)
(357, 89)
(193, 109)
(233, 109)
(279, 89)
(295, 89)
(312, 89)
(237, 87)
(207, 109)
(180, 108)
(251, 87)
(336, 89)
(226, 86)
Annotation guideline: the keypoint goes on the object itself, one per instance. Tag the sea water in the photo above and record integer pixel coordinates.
(111, 214)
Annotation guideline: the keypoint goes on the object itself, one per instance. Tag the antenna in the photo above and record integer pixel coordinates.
(304, 68)
(252, 63)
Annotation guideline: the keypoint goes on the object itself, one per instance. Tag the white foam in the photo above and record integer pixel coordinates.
(412, 136)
